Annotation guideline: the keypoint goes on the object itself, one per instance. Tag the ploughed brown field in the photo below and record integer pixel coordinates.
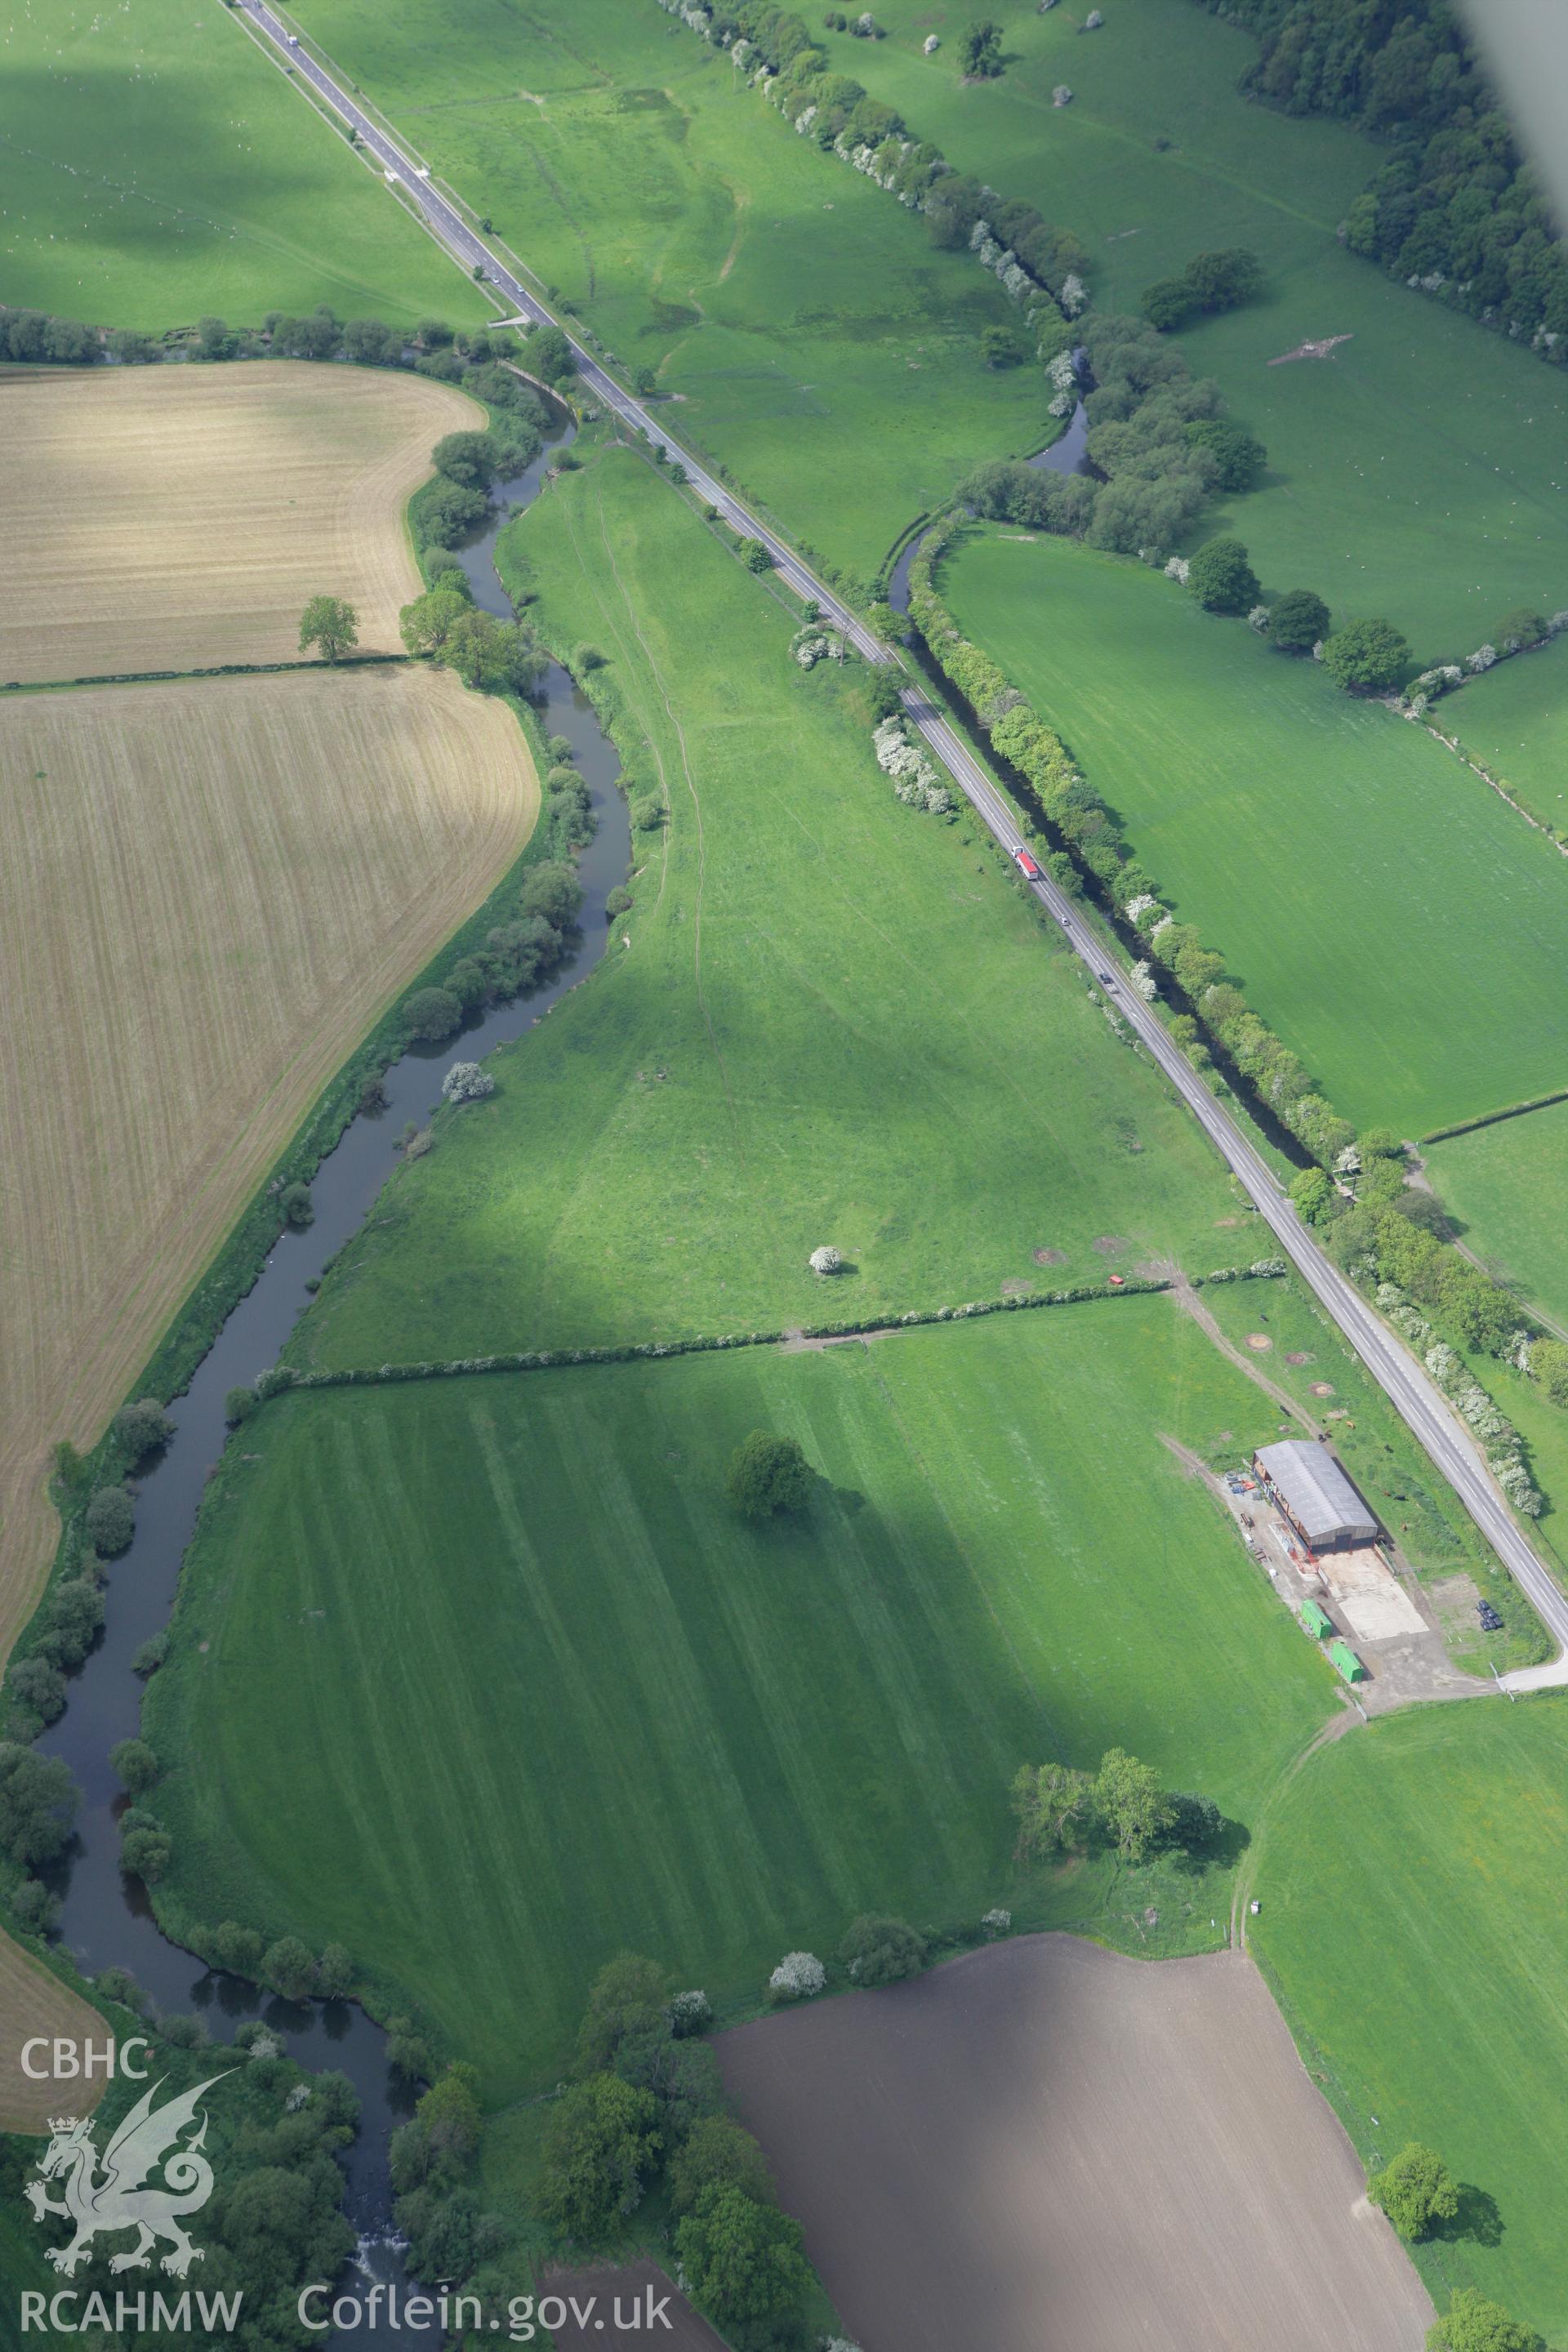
(1047, 2147)
(177, 518)
(209, 892)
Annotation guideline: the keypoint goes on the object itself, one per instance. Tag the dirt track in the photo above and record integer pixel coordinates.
(1046, 2147)
(173, 517)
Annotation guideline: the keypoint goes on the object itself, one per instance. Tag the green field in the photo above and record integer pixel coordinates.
(834, 1022)
(486, 1679)
(820, 346)
(1506, 1185)
(1417, 472)
(158, 167)
(1411, 1882)
(1391, 917)
(1514, 720)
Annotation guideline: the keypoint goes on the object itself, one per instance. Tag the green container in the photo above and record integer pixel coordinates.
(1315, 1621)
(1343, 1660)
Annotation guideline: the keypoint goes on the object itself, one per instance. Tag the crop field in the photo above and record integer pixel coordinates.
(1420, 432)
(161, 519)
(819, 345)
(1388, 914)
(1411, 1880)
(1050, 2127)
(160, 167)
(561, 1692)
(829, 1018)
(210, 890)
(1506, 1185)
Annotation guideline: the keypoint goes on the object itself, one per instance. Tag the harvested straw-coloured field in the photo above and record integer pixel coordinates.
(208, 892)
(1045, 2143)
(171, 518)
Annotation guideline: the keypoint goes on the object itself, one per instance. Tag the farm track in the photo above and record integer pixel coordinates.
(1416, 1399)
(172, 517)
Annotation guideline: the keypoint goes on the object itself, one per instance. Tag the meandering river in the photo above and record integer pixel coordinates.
(107, 1918)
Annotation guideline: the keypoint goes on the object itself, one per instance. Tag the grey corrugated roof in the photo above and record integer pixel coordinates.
(1320, 1495)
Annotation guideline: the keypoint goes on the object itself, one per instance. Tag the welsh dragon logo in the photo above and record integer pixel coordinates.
(117, 2199)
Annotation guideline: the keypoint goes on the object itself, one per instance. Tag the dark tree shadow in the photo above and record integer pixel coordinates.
(1477, 2218)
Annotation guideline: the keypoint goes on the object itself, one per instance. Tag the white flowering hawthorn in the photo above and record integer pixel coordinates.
(1259, 619)
(930, 45)
(1143, 981)
(979, 235)
(465, 1082)
(1074, 295)
(1483, 658)
(1062, 373)
(799, 1976)
(802, 122)
(1139, 906)
(1061, 95)
(825, 1260)
(1178, 569)
(997, 1922)
(1093, 21)
(689, 2012)
(1348, 1162)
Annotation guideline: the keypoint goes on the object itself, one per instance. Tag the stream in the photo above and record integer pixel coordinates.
(107, 1918)
(1065, 456)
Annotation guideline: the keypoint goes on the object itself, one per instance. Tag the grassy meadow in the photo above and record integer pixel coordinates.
(1514, 720)
(1506, 1185)
(1389, 917)
(819, 346)
(159, 167)
(566, 1700)
(1418, 471)
(1411, 1882)
(828, 1018)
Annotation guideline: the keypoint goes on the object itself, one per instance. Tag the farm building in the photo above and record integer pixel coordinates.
(1308, 1486)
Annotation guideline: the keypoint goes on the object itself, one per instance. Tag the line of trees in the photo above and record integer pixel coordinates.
(1158, 438)
(1070, 803)
(646, 2101)
(1456, 210)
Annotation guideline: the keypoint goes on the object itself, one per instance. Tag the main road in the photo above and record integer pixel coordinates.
(1414, 1395)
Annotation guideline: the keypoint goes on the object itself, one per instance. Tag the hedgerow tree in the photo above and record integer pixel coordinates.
(1222, 579)
(1366, 655)
(290, 1966)
(1414, 2190)
(878, 1951)
(718, 2153)
(143, 1427)
(1298, 622)
(427, 624)
(430, 1014)
(768, 1475)
(1239, 457)
(1131, 1804)
(135, 1765)
(110, 1521)
(39, 1798)
(745, 2261)
(1473, 2322)
(145, 1846)
(1052, 1802)
(599, 2141)
(331, 625)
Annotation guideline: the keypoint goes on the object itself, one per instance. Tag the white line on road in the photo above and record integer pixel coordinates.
(1415, 1397)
